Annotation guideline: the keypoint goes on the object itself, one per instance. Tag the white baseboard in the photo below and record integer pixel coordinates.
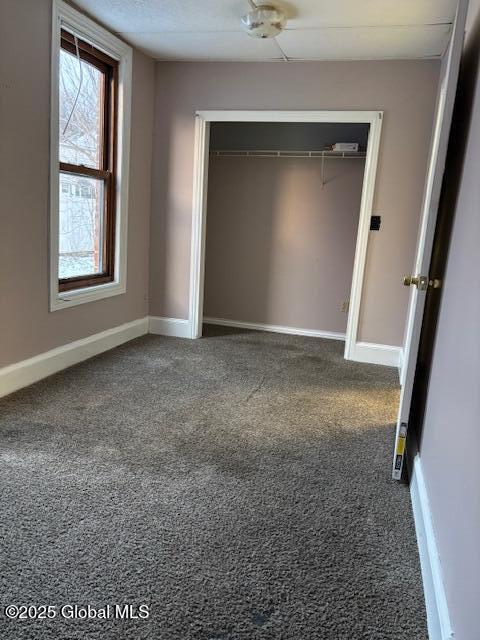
(21, 374)
(376, 354)
(173, 327)
(26, 372)
(438, 618)
(274, 328)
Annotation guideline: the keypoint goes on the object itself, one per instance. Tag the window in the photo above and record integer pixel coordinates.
(87, 144)
(91, 78)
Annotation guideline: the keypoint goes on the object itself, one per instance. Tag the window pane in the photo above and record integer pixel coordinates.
(81, 226)
(81, 98)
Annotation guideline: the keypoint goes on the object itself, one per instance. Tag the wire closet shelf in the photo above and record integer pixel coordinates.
(265, 153)
(322, 155)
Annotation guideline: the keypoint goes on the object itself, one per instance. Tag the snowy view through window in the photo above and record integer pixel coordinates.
(81, 198)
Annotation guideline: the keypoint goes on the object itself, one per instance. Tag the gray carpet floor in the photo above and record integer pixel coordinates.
(238, 485)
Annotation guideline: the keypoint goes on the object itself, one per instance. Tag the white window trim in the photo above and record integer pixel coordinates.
(65, 16)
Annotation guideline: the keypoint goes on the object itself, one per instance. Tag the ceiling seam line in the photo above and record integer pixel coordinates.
(372, 26)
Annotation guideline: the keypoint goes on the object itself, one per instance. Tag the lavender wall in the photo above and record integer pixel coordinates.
(405, 91)
(451, 436)
(280, 247)
(27, 326)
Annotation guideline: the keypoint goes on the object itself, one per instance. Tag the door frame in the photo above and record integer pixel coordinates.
(200, 185)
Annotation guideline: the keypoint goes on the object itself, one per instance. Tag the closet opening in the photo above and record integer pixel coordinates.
(284, 218)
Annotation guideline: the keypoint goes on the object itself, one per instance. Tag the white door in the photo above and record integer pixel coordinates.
(420, 279)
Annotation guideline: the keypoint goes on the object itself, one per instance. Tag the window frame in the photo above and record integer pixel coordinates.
(108, 67)
(115, 162)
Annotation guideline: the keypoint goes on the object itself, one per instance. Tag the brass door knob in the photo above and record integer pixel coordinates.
(422, 282)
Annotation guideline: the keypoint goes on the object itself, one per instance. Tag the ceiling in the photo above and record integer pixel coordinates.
(316, 29)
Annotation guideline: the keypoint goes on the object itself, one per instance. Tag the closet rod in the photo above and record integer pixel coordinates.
(290, 154)
(353, 155)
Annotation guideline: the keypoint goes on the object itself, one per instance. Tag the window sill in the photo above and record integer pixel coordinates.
(65, 299)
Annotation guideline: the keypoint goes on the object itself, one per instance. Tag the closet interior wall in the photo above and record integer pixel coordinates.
(281, 232)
